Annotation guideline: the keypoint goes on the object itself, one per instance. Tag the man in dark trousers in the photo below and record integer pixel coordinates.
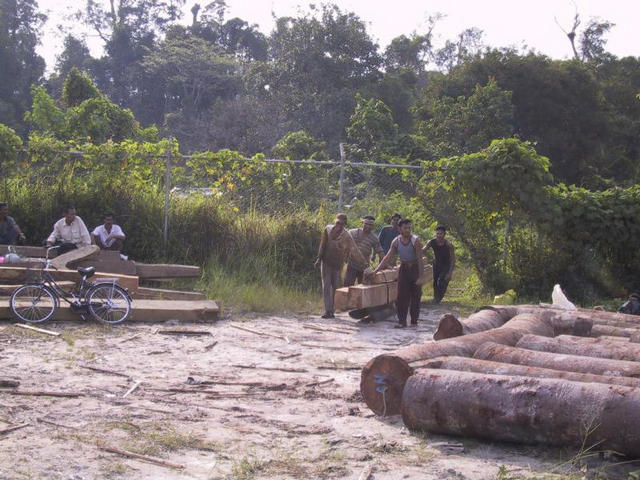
(408, 249)
(443, 262)
(389, 233)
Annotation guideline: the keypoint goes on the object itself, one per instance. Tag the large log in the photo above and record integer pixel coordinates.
(465, 364)
(146, 311)
(69, 259)
(7, 290)
(22, 275)
(110, 261)
(157, 271)
(25, 251)
(610, 331)
(383, 377)
(524, 409)
(586, 347)
(597, 317)
(485, 319)
(557, 361)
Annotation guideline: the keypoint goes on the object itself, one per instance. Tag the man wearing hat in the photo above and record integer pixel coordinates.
(335, 246)
(369, 246)
(389, 233)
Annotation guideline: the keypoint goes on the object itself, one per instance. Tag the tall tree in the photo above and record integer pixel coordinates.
(20, 29)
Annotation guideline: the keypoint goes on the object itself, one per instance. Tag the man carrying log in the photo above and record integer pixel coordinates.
(69, 232)
(9, 230)
(108, 236)
(389, 233)
(408, 249)
(368, 245)
(443, 263)
(336, 244)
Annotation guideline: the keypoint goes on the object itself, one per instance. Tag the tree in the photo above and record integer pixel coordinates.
(454, 126)
(371, 131)
(468, 44)
(77, 88)
(592, 41)
(299, 146)
(20, 27)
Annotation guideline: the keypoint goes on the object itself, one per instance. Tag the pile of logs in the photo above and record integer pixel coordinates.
(528, 373)
(150, 303)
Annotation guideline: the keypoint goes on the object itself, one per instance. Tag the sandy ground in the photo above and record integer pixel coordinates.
(249, 406)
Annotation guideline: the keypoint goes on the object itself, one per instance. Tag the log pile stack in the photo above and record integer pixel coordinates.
(529, 374)
(378, 290)
(150, 304)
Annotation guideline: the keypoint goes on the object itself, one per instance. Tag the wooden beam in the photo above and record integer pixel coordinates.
(68, 259)
(160, 271)
(7, 290)
(25, 251)
(147, 311)
(163, 294)
(20, 274)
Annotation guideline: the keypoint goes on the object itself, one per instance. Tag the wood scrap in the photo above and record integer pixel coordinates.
(184, 332)
(289, 370)
(210, 346)
(286, 357)
(326, 330)
(146, 458)
(7, 383)
(132, 337)
(132, 389)
(49, 422)
(366, 473)
(40, 393)
(323, 382)
(256, 332)
(104, 370)
(35, 329)
(13, 428)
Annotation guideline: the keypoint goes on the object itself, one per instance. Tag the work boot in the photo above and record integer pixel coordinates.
(328, 315)
(401, 325)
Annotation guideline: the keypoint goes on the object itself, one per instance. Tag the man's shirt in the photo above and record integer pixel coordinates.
(367, 244)
(75, 233)
(103, 235)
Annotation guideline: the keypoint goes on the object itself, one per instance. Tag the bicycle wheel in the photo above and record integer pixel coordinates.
(33, 303)
(109, 303)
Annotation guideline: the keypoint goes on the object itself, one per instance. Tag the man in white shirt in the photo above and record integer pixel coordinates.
(108, 236)
(69, 232)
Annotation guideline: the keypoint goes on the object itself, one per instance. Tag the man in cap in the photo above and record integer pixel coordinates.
(369, 246)
(389, 233)
(335, 246)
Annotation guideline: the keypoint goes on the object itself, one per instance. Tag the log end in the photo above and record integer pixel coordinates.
(448, 327)
(382, 382)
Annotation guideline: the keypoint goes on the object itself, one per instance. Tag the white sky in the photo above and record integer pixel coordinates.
(504, 22)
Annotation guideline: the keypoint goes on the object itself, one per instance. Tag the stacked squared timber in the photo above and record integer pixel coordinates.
(380, 289)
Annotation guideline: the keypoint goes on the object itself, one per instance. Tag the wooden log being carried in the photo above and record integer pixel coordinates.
(586, 347)
(383, 377)
(518, 409)
(465, 364)
(570, 363)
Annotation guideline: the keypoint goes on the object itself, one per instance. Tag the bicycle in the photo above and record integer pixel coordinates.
(37, 302)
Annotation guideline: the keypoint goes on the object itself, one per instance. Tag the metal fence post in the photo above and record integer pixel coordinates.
(342, 162)
(167, 191)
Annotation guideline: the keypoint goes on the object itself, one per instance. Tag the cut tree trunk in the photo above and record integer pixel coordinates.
(570, 363)
(465, 364)
(485, 319)
(383, 377)
(524, 410)
(586, 347)
(609, 331)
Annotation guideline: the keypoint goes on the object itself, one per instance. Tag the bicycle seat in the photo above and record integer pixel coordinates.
(86, 272)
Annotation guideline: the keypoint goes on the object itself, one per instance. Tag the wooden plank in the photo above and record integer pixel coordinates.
(147, 311)
(163, 294)
(7, 290)
(25, 251)
(383, 276)
(68, 259)
(158, 271)
(341, 299)
(21, 274)
(362, 296)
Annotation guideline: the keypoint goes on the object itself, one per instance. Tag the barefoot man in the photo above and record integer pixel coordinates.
(335, 246)
(408, 249)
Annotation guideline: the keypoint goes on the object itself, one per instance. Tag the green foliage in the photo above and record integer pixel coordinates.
(371, 129)
(77, 88)
(99, 120)
(299, 145)
(45, 115)
(10, 142)
(454, 126)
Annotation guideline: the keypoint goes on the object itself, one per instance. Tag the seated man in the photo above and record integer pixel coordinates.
(9, 230)
(69, 232)
(108, 236)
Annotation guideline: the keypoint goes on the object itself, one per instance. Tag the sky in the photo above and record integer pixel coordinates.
(505, 23)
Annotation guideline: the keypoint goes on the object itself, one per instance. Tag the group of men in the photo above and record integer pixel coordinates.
(359, 246)
(69, 233)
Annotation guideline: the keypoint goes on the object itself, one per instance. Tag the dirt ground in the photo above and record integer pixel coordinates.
(230, 405)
